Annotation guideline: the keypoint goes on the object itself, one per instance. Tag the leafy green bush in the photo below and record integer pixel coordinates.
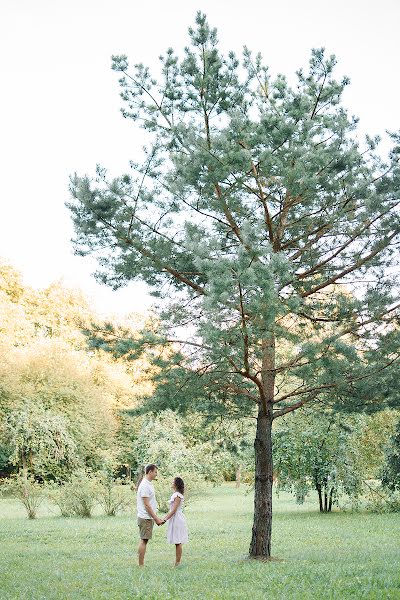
(59, 496)
(113, 495)
(79, 495)
(380, 500)
(26, 490)
(162, 441)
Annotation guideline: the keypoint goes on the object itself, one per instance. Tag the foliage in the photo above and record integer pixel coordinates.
(114, 495)
(40, 440)
(372, 441)
(380, 499)
(59, 495)
(60, 402)
(162, 440)
(390, 472)
(79, 495)
(26, 490)
(254, 203)
(318, 452)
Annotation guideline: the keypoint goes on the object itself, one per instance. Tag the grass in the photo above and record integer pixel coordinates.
(338, 555)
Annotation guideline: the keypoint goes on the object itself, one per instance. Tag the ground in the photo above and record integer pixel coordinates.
(339, 555)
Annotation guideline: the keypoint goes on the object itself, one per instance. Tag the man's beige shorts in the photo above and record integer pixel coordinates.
(145, 528)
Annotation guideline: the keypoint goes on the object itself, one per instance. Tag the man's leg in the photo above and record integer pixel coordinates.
(142, 551)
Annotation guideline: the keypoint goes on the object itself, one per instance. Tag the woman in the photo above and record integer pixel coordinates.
(177, 530)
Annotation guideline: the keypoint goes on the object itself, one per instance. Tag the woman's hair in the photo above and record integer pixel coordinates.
(179, 484)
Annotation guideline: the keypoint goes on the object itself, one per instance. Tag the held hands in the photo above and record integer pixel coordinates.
(160, 522)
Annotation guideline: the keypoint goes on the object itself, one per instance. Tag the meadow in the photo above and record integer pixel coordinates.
(338, 555)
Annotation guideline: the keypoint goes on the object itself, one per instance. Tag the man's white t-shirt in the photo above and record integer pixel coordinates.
(145, 490)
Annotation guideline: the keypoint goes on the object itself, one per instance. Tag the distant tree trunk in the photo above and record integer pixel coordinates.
(330, 500)
(325, 497)
(321, 506)
(24, 473)
(238, 475)
(260, 546)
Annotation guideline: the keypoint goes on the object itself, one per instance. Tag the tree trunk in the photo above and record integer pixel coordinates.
(238, 476)
(321, 506)
(24, 473)
(262, 525)
(330, 500)
(260, 546)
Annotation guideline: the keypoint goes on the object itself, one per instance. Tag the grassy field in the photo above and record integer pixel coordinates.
(339, 555)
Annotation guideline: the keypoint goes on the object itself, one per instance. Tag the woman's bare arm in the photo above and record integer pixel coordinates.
(174, 508)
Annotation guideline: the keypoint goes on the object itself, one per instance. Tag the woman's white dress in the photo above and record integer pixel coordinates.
(177, 529)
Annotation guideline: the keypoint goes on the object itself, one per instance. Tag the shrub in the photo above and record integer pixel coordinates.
(113, 495)
(79, 495)
(380, 500)
(59, 496)
(26, 490)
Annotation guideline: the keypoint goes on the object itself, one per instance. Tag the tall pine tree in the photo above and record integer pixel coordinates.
(266, 228)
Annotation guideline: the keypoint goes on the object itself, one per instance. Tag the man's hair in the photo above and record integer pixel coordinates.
(149, 468)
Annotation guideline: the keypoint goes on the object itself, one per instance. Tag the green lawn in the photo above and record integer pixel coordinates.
(339, 555)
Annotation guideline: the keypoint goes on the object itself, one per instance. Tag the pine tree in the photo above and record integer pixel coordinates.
(263, 224)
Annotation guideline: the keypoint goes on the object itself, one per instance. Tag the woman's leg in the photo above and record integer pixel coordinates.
(178, 552)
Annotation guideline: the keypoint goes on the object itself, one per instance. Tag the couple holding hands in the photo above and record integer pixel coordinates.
(146, 512)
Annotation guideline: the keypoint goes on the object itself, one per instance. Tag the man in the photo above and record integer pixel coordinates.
(146, 510)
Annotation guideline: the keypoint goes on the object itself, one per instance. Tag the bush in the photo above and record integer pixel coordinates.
(113, 495)
(26, 490)
(380, 500)
(78, 496)
(59, 496)
(162, 440)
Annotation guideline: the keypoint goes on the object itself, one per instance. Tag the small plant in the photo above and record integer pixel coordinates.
(113, 495)
(58, 495)
(26, 490)
(78, 496)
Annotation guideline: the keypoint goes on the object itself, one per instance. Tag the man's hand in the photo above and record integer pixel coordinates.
(159, 521)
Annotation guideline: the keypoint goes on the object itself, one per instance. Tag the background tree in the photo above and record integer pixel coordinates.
(317, 451)
(256, 211)
(390, 472)
(51, 387)
(373, 439)
(40, 442)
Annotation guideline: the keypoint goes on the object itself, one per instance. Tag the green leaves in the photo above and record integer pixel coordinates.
(264, 222)
(318, 452)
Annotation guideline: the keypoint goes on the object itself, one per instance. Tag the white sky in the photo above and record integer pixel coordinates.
(59, 106)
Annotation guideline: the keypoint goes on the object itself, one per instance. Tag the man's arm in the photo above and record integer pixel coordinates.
(146, 502)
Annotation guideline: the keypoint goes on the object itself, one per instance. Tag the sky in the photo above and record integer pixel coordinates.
(59, 106)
